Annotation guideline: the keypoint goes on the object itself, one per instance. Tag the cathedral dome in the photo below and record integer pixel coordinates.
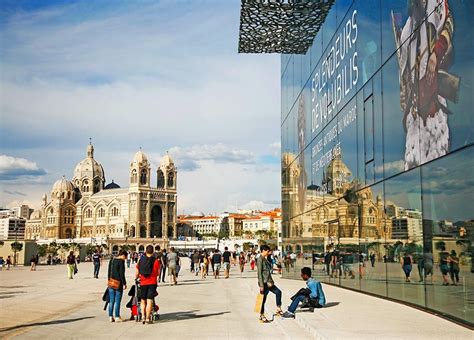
(140, 157)
(89, 174)
(62, 188)
(112, 185)
(62, 185)
(166, 161)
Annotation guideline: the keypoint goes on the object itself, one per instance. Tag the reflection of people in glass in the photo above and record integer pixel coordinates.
(428, 264)
(454, 267)
(407, 262)
(425, 55)
(444, 265)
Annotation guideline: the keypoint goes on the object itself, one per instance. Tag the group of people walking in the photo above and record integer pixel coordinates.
(202, 260)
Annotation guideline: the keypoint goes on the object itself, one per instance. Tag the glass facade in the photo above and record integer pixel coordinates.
(377, 153)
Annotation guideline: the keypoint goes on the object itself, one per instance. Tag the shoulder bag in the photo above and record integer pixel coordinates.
(111, 282)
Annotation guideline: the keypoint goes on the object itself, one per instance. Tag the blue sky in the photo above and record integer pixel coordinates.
(161, 75)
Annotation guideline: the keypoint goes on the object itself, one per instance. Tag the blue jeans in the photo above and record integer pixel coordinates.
(275, 290)
(296, 301)
(115, 297)
(96, 269)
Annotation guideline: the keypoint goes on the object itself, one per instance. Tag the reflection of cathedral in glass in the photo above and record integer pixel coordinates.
(337, 208)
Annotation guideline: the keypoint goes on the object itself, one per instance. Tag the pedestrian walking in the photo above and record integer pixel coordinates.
(216, 263)
(33, 263)
(71, 265)
(266, 283)
(313, 296)
(164, 265)
(129, 259)
(97, 260)
(2, 263)
(372, 260)
(407, 262)
(242, 262)
(444, 265)
(9, 262)
(195, 259)
(173, 265)
(252, 261)
(454, 267)
(116, 283)
(428, 264)
(226, 255)
(148, 270)
(203, 264)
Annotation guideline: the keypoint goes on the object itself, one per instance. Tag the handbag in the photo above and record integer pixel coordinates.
(259, 303)
(112, 283)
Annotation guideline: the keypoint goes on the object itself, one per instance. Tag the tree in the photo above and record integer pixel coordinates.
(440, 245)
(42, 250)
(248, 234)
(16, 247)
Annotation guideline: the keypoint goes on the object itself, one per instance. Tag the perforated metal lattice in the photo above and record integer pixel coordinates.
(280, 26)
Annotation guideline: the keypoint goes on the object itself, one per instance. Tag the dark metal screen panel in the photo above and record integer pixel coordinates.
(280, 26)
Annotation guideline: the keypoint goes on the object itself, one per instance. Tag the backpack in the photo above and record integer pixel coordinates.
(145, 265)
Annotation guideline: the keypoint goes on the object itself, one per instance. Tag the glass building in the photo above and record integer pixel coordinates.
(377, 153)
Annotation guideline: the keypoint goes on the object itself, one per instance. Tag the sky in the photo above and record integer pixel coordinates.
(160, 75)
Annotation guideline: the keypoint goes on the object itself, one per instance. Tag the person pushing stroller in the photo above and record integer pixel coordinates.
(147, 270)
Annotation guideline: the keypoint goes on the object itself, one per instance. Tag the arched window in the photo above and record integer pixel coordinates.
(68, 233)
(96, 185)
(161, 179)
(171, 179)
(143, 177)
(101, 212)
(133, 176)
(88, 213)
(115, 211)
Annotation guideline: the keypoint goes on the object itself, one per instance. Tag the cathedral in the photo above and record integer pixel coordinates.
(87, 208)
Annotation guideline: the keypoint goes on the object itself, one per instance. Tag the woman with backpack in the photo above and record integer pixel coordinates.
(116, 284)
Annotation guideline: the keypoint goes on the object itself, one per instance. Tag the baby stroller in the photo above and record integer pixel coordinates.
(135, 304)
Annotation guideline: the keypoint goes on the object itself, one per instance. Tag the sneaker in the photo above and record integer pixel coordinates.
(119, 319)
(111, 319)
(288, 315)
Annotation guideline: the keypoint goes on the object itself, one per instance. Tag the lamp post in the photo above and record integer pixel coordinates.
(16, 240)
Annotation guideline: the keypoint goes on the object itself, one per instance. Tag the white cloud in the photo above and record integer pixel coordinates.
(188, 158)
(275, 147)
(391, 167)
(12, 168)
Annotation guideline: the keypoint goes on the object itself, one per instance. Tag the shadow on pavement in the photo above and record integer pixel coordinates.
(331, 304)
(46, 323)
(169, 317)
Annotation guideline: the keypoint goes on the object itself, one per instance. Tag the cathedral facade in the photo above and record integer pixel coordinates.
(87, 208)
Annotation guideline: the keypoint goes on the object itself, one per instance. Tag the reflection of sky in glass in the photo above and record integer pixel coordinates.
(448, 187)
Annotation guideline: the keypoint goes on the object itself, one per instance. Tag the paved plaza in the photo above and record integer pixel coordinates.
(45, 304)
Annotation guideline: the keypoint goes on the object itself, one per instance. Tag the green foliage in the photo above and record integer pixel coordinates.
(90, 249)
(42, 250)
(16, 246)
(223, 234)
(439, 245)
(247, 246)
